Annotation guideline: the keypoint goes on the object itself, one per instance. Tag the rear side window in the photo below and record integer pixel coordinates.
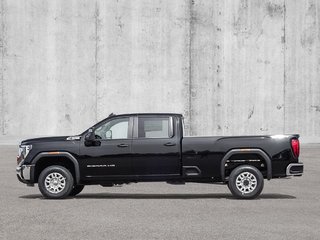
(149, 127)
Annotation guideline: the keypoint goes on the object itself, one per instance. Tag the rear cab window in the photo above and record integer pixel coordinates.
(155, 127)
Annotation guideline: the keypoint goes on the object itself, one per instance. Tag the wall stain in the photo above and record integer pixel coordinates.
(251, 112)
(241, 24)
(275, 10)
(218, 69)
(316, 107)
(309, 32)
(259, 60)
(67, 117)
(120, 24)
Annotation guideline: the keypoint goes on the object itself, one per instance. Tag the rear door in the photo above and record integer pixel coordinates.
(155, 147)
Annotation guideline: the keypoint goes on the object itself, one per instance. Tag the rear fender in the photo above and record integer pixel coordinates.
(259, 152)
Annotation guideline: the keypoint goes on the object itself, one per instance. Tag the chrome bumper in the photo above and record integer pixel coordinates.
(24, 173)
(294, 169)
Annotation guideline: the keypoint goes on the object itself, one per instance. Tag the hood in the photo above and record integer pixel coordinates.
(44, 139)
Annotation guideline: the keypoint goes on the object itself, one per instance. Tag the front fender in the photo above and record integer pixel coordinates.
(62, 154)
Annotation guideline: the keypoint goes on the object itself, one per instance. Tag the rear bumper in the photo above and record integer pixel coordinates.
(294, 169)
(24, 173)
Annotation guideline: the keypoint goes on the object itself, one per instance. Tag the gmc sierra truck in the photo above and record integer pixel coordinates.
(127, 148)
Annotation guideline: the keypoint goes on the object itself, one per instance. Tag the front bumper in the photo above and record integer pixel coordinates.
(294, 169)
(25, 173)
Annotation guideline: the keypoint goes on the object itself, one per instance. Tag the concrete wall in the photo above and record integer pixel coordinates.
(231, 67)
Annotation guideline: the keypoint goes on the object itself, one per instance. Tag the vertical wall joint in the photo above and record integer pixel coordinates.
(284, 65)
(191, 32)
(3, 53)
(96, 63)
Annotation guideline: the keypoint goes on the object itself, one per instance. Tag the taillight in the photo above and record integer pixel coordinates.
(295, 145)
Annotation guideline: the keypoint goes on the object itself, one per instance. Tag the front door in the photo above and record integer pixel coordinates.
(111, 156)
(155, 147)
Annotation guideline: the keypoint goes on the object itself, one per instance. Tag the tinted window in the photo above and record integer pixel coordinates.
(149, 127)
(113, 129)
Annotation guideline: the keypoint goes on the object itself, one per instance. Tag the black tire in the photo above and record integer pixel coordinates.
(55, 182)
(76, 190)
(246, 182)
(228, 186)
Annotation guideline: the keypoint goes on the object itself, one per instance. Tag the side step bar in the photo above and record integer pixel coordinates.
(191, 171)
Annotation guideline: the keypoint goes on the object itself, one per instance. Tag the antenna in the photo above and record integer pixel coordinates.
(111, 114)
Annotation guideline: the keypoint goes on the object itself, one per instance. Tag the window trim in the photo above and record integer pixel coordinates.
(171, 133)
(170, 126)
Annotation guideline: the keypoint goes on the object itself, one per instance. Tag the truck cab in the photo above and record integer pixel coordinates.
(144, 146)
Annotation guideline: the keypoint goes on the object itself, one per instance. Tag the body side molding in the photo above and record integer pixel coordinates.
(247, 150)
(61, 154)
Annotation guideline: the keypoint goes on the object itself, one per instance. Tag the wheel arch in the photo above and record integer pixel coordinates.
(256, 151)
(58, 155)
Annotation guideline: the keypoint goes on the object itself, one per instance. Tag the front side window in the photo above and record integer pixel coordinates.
(149, 127)
(113, 129)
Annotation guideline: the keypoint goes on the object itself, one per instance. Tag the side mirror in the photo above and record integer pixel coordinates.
(109, 134)
(90, 139)
(89, 135)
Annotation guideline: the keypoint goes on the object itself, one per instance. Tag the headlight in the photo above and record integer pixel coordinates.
(23, 152)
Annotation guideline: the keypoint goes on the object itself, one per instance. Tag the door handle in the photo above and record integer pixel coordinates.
(122, 145)
(168, 144)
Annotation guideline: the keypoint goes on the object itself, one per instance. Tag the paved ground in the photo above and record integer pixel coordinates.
(287, 209)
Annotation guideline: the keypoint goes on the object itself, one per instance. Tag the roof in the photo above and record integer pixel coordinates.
(134, 114)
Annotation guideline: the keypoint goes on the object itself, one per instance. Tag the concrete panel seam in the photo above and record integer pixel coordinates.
(284, 66)
(191, 32)
(96, 63)
(3, 53)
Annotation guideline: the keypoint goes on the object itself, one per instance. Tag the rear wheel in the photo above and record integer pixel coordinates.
(246, 182)
(55, 182)
(76, 190)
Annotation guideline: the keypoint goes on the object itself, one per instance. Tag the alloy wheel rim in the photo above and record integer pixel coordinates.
(246, 182)
(55, 182)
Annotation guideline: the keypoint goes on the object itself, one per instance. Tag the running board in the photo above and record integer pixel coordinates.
(191, 171)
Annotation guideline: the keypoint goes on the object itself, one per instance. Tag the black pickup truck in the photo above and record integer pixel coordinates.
(128, 148)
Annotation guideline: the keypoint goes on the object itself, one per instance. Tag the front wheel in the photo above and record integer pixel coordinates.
(55, 182)
(246, 182)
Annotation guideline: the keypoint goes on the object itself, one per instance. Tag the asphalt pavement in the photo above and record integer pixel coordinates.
(286, 209)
